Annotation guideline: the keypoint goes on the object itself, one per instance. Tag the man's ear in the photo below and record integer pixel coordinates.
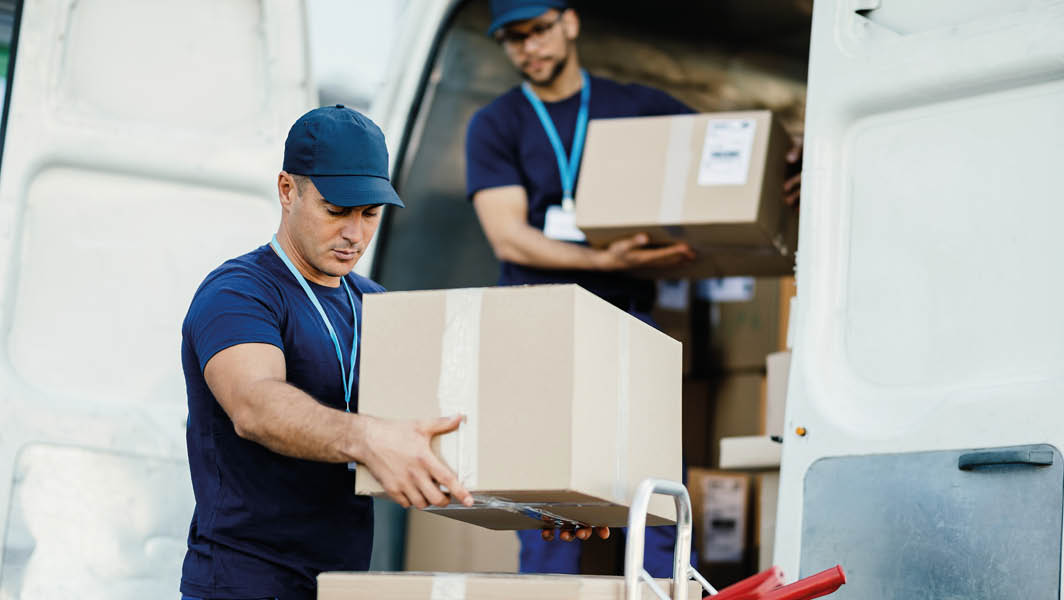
(286, 190)
(571, 24)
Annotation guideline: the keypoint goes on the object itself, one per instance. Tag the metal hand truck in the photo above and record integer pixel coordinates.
(767, 585)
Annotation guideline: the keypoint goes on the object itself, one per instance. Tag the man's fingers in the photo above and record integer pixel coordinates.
(603, 532)
(445, 477)
(443, 425)
(661, 257)
(548, 535)
(583, 533)
(414, 496)
(792, 182)
(566, 535)
(431, 491)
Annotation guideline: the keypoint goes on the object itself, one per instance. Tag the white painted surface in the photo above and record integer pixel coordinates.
(928, 313)
(142, 148)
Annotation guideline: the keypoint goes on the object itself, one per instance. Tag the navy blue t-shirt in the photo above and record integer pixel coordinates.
(506, 145)
(265, 524)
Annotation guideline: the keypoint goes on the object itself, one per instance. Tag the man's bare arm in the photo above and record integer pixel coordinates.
(249, 382)
(503, 213)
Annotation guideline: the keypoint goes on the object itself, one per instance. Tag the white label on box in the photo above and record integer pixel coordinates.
(560, 224)
(723, 519)
(727, 289)
(672, 294)
(726, 152)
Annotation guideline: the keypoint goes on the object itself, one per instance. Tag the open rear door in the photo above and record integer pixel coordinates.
(142, 145)
(928, 327)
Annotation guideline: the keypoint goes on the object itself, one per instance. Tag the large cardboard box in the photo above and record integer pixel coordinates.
(778, 366)
(743, 333)
(720, 501)
(711, 180)
(737, 409)
(434, 586)
(570, 402)
(436, 543)
(768, 491)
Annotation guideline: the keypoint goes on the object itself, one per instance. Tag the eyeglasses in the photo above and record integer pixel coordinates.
(515, 40)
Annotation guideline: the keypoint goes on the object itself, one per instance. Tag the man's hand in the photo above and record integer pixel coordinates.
(792, 188)
(629, 253)
(398, 454)
(568, 535)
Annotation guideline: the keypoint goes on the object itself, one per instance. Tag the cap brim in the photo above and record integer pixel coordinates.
(521, 13)
(356, 190)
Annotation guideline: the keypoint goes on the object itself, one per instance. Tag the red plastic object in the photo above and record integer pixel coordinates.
(767, 586)
(752, 587)
(814, 586)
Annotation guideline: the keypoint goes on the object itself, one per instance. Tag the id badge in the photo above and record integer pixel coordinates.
(561, 225)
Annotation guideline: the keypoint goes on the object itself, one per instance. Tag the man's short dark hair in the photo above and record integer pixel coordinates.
(301, 182)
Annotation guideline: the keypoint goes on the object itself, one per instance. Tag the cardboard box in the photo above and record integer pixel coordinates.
(768, 491)
(433, 586)
(569, 401)
(736, 409)
(720, 501)
(778, 368)
(435, 543)
(788, 291)
(743, 333)
(714, 181)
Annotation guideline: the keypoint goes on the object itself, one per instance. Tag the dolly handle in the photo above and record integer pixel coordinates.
(814, 586)
(634, 573)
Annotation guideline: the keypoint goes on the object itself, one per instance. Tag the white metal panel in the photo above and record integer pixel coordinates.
(419, 24)
(142, 148)
(927, 314)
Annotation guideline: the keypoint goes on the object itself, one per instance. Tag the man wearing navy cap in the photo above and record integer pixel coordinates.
(270, 355)
(523, 154)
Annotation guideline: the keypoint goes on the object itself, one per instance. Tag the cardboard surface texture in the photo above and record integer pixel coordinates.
(437, 586)
(711, 180)
(436, 543)
(720, 502)
(744, 333)
(778, 365)
(569, 402)
(736, 410)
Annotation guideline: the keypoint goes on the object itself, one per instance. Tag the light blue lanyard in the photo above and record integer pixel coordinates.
(567, 169)
(346, 377)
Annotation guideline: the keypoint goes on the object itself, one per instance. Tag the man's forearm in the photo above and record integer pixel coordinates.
(526, 245)
(288, 421)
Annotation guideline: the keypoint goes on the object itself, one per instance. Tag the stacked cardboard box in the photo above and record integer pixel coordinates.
(735, 399)
(439, 544)
(434, 586)
(714, 181)
(569, 402)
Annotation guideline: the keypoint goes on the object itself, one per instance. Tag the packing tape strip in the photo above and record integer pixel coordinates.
(457, 391)
(624, 364)
(538, 511)
(448, 586)
(677, 167)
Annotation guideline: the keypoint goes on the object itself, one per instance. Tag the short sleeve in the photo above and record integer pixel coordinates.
(654, 102)
(232, 309)
(491, 158)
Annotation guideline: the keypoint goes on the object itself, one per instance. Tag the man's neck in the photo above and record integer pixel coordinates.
(567, 83)
(304, 268)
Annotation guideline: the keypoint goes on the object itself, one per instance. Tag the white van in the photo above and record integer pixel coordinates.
(140, 145)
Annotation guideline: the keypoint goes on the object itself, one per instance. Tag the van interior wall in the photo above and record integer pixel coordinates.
(714, 55)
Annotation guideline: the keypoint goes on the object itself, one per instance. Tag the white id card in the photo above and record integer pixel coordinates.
(561, 225)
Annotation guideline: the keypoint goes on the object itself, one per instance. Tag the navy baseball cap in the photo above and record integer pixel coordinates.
(344, 154)
(504, 12)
